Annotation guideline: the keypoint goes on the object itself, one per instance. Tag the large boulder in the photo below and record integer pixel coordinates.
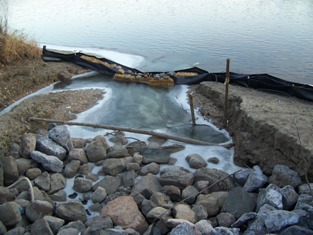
(124, 212)
(217, 178)
(61, 135)
(49, 147)
(255, 180)
(71, 211)
(82, 185)
(196, 161)
(109, 183)
(282, 176)
(48, 162)
(10, 213)
(149, 182)
(10, 170)
(38, 209)
(96, 150)
(113, 166)
(239, 202)
(28, 144)
(178, 178)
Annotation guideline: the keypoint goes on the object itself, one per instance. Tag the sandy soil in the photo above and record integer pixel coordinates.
(17, 81)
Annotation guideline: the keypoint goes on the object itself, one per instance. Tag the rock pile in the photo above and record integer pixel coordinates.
(134, 195)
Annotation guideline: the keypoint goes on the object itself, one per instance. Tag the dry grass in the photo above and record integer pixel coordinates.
(15, 47)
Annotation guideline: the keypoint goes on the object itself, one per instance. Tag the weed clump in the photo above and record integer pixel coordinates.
(15, 46)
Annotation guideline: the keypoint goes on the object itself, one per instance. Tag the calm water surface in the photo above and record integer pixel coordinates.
(259, 36)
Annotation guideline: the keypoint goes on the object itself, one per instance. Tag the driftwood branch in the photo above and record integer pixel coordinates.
(145, 132)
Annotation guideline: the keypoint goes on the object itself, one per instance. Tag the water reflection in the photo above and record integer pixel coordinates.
(259, 36)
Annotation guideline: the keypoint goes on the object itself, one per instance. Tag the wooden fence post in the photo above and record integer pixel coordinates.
(226, 94)
(190, 94)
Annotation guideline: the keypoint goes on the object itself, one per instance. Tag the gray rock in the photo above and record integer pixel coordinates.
(136, 146)
(124, 212)
(5, 194)
(305, 188)
(99, 195)
(160, 199)
(258, 225)
(71, 211)
(279, 219)
(178, 178)
(85, 169)
(3, 229)
(214, 160)
(183, 229)
(156, 212)
(78, 154)
(96, 150)
(82, 185)
(59, 196)
(157, 155)
(113, 166)
(255, 180)
(305, 202)
(77, 224)
(241, 176)
(32, 173)
(152, 168)
(283, 175)
(16, 231)
(58, 182)
(109, 183)
(200, 211)
(114, 231)
(172, 223)
(183, 211)
(41, 226)
(245, 218)
(225, 231)
(10, 213)
(38, 209)
(48, 162)
(189, 194)
(28, 144)
(68, 231)
(204, 227)
(10, 170)
(202, 186)
(99, 223)
(214, 177)
(196, 161)
(209, 203)
(149, 182)
(290, 197)
(54, 223)
(271, 197)
(49, 147)
(61, 135)
(147, 206)
(173, 192)
(225, 219)
(23, 164)
(43, 181)
(296, 230)
(79, 142)
(118, 151)
(71, 168)
(129, 178)
(239, 202)
(133, 166)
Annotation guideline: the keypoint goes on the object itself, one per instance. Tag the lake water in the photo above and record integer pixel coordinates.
(274, 37)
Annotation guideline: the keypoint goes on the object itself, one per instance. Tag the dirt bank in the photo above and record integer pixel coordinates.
(267, 129)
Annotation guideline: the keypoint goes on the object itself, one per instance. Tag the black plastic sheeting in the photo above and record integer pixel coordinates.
(264, 82)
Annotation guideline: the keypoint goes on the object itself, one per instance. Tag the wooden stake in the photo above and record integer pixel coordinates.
(192, 108)
(226, 94)
(145, 132)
